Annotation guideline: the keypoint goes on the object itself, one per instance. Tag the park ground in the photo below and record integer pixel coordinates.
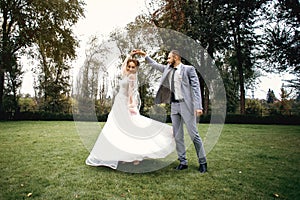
(46, 160)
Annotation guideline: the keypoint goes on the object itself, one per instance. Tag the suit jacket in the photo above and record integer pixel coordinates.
(190, 86)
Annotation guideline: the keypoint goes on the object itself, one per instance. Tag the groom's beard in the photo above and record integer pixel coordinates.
(172, 64)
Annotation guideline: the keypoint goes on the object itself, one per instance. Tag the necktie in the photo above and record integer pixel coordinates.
(172, 85)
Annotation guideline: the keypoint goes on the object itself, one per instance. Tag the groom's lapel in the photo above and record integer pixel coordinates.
(182, 70)
(166, 73)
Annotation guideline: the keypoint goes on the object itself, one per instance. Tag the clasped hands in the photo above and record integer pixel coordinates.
(138, 51)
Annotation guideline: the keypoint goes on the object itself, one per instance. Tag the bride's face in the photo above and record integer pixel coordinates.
(131, 68)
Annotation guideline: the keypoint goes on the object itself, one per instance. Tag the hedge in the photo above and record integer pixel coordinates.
(229, 119)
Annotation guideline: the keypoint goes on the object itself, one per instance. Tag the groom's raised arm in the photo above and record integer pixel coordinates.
(150, 61)
(154, 64)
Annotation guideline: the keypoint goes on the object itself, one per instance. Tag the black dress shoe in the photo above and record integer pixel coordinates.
(203, 168)
(181, 167)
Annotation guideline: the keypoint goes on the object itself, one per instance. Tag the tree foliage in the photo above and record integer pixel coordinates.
(92, 82)
(281, 41)
(47, 24)
(223, 28)
(236, 34)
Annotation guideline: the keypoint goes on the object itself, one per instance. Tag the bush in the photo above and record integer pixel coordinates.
(46, 116)
(230, 118)
(254, 119)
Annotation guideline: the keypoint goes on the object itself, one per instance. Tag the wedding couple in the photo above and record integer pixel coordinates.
(123, 138)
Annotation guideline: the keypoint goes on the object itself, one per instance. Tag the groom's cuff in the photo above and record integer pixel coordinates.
(147, 59)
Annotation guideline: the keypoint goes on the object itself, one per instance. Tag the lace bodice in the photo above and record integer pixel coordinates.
(124, 84)
(129, 90)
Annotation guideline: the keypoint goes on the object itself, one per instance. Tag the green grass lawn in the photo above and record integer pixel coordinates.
(46, 160)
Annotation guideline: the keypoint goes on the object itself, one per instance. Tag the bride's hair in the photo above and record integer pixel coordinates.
(126, 63)
(136, 62)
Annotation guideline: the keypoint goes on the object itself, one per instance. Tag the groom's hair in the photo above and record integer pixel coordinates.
(176, 53)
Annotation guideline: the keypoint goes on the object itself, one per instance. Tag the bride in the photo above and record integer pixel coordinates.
(127, 136)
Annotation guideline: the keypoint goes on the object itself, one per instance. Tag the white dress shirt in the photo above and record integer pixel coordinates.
(177, 82)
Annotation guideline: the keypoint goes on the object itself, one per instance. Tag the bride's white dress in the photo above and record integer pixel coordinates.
(130, 137)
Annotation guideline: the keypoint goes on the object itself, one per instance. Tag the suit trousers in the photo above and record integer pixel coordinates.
(181, 115)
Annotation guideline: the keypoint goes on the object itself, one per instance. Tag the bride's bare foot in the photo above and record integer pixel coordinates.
(136, 162)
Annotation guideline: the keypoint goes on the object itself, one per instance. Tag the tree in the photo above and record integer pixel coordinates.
(281, 41)
(230, 78)
(284, 105)
(52, 83)
(271, 98)
(221, 27)
(11, 92)
(240, 20)
(25, 23)
(199, 20)
(91, 83)
(285, 102)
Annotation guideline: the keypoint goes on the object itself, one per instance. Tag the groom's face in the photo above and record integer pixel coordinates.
(171, 59)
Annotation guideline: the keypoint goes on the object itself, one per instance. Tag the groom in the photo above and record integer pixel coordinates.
(180, 86)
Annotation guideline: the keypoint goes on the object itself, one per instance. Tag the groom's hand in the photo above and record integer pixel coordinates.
(199, 113)
(133, 52)
(140, 52)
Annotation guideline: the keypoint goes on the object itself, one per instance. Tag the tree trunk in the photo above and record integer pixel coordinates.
(238, 49)
(204, 95)
(206, 100)
(242, 88)
(241, 74)
(1, 90)
(203, 88)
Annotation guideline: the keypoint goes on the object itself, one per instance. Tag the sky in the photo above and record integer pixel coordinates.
(266, 82)
(102, 16)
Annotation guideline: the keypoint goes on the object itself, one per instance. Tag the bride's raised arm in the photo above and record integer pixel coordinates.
(124, 64)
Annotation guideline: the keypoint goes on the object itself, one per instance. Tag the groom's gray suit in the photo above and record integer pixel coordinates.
(182, 111)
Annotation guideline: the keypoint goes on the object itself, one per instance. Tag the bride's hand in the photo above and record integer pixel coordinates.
(133, 52)
(132, 111)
